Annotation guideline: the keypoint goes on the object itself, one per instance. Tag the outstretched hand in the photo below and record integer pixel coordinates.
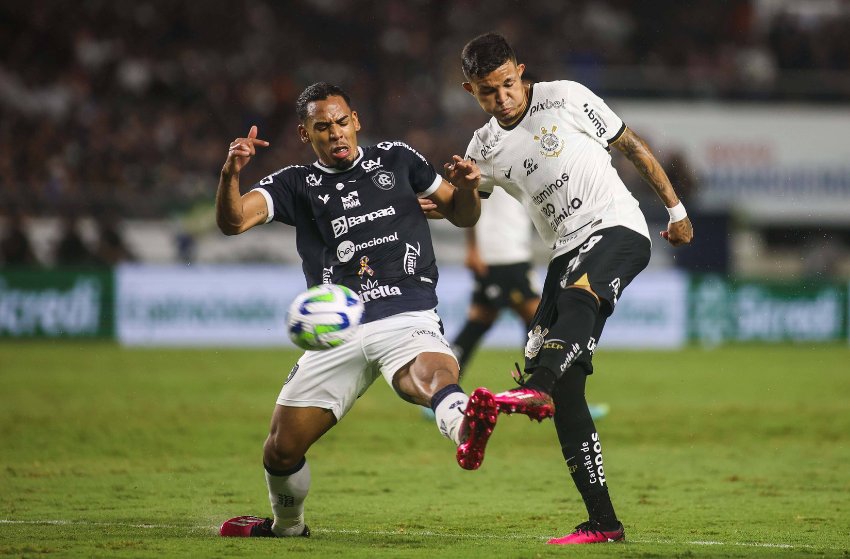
(463, 173)
(240, 152)
(679, 233)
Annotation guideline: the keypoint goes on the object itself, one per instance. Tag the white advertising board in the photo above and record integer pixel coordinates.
(204, 305)
(246, 306)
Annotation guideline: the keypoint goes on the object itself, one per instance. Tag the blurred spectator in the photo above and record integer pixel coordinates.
(111, 249)
(125, 102)
(15, 247)
(71, 250)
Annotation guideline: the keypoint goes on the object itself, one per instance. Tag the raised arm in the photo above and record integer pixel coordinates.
(235, 213)
(457, 198)
(679, 229)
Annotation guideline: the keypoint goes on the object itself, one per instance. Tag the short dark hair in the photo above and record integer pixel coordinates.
(318, 92)
(485, 53)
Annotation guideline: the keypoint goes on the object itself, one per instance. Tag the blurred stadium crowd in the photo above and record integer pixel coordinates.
(127, 107)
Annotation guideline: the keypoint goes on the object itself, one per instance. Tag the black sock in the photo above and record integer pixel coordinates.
(466, 342)
(542, 379)
(581, 447)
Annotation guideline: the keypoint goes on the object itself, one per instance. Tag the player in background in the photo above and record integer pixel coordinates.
(547, 146)
(358, 224)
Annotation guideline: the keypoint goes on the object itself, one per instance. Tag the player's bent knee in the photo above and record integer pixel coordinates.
(281, 454)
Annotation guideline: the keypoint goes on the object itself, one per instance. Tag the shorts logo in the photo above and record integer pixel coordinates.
(351, 201)
(439, 338)
(313, 180)
(551, 145)
(615, 287)
(536, 338)
(572, 355)
(384, 180)
(554, 344)
(291, 374)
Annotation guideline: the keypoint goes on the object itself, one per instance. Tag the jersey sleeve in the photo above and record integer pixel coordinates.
(423, 178)
(592, 115)
(280, 190)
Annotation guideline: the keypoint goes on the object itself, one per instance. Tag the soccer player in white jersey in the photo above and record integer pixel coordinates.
(340, 206)
(547, 145)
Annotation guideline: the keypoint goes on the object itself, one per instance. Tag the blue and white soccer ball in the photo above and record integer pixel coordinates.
(324, 316)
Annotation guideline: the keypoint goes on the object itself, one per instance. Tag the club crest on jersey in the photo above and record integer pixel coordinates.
(313, 180)
(371, 164)
(536, 339)
(351, 201)
(551, 145)
(384, 180)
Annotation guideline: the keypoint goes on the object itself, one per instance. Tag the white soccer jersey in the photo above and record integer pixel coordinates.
(503, 233)
(556, 162)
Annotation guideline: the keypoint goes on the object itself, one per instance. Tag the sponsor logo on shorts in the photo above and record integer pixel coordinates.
(554, 344)
(431, 333)
(572, 355)
(291, 374)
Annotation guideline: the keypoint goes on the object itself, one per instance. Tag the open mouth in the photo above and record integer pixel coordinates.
(340, 152)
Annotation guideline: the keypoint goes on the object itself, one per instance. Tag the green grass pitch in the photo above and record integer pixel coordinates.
(111, 452)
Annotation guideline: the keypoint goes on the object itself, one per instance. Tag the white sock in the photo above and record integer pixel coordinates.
(287, 494)
(449, 414)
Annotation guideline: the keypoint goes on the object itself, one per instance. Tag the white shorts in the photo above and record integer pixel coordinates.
(334, 378)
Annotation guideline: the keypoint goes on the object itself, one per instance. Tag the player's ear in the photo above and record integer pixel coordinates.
(356, 120)
(520, 69)
(468, 87)
(302, 133)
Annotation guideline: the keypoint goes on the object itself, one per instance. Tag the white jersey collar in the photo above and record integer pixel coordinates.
(331, 170)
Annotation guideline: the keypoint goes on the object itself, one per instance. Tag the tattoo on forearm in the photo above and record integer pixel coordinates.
(638, 152)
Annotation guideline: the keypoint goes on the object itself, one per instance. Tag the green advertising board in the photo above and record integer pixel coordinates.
(64, 303)
(747, 311)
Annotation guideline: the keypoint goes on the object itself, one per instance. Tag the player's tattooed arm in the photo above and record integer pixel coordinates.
(638, 152)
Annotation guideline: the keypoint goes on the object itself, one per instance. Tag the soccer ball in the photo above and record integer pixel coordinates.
(324, 316)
